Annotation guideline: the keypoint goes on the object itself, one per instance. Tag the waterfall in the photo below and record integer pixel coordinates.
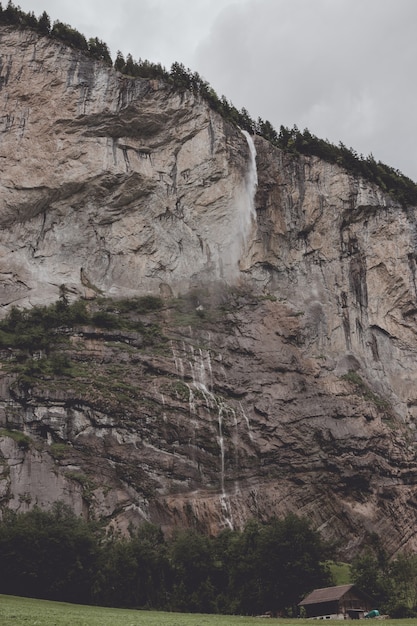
(202, 376)
(224, 499)
(252, 175)
(191, 400)
(247, 213)
(246, 418)
(179, 365)
(195, 363)
(240, 220)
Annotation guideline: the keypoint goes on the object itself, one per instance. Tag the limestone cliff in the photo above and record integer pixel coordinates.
(278, 373)
(110, 184)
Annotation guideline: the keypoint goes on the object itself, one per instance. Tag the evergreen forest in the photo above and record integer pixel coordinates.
(268, 566)
(56, 555)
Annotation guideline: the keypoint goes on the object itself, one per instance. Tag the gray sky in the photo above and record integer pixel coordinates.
(345, 69)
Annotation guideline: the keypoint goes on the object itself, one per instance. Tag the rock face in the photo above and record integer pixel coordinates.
(281, 376)
(111, 184)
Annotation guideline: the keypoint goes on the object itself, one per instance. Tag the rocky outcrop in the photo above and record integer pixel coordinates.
(342, 252)
(278, 374)
(110, 185)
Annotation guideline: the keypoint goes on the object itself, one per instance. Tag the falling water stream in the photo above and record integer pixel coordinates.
(247, 211)
(199, 361)
(252, 174)
(199, 364)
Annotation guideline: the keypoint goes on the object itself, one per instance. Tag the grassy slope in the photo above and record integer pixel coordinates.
(27, 612)
(340, 572)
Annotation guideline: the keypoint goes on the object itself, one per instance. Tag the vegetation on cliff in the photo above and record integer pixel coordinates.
(37, 346)
(292, 140)
(14, 16)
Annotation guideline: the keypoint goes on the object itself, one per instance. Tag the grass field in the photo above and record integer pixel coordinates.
(28, 612)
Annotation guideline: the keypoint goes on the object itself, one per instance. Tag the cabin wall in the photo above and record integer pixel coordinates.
(336, 608)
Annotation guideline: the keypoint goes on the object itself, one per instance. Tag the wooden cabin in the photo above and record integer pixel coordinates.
(341, 602)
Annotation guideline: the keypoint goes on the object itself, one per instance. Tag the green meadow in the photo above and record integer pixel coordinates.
(16, 611)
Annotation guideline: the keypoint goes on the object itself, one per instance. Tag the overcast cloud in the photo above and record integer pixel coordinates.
(345, 69)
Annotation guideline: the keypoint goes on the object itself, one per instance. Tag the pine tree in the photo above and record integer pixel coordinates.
(44, 24)
(120, 62)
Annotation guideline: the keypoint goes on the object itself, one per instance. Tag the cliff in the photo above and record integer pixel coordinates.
(273, 371)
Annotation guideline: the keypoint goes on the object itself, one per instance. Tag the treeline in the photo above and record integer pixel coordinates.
(292, 140)
(389, 179)
(14, 16)
(58, 556)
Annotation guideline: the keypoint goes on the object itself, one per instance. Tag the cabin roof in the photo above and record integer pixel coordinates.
(326, 594)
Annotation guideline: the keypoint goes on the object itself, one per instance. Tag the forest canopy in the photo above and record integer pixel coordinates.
(266, 566)
(60, 556)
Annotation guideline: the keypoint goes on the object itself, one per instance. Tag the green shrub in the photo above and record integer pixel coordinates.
(103, 319)
(59, 450)
(362, 388)
(22, 440)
